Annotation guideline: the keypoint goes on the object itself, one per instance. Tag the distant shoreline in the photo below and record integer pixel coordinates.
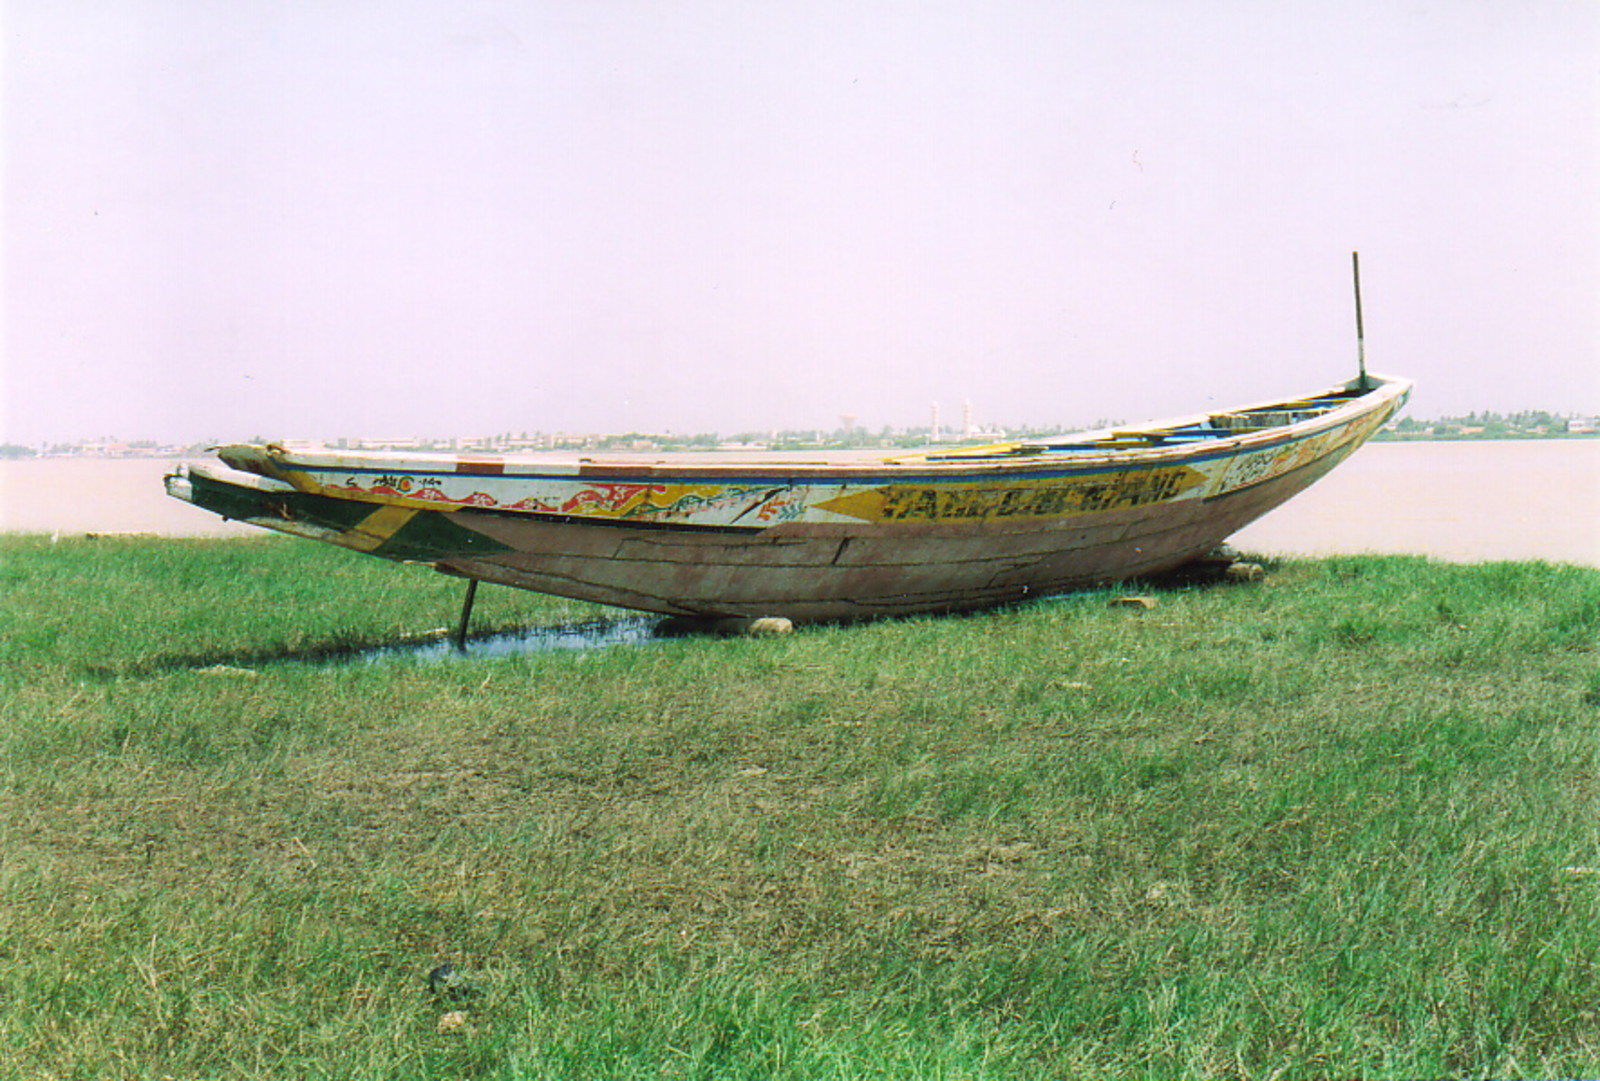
(1498, 437)
(1377, 437)
(1459, 499)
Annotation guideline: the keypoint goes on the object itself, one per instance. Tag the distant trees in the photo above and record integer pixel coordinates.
(1527, 424)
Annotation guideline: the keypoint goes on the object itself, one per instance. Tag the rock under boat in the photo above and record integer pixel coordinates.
(709, 535)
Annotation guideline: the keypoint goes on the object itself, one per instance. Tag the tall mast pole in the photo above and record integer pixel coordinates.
(1361, 335)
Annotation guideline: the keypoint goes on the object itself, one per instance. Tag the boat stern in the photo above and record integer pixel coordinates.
(404, 534)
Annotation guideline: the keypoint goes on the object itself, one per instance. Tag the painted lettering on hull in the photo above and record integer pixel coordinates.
(1019, 500)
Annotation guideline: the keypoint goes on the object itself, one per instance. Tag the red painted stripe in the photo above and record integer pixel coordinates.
(482, 467)
(644, 473)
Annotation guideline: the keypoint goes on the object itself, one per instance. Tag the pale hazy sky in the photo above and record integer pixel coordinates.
(304, 219)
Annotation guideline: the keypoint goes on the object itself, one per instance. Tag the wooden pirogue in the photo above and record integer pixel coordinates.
(811, 540)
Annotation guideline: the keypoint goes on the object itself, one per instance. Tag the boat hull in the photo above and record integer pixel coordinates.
(825, 573)
(810, 541)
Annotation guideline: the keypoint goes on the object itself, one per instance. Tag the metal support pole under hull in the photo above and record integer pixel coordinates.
(466, 614)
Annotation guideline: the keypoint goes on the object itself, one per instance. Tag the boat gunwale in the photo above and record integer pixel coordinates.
(952, 466)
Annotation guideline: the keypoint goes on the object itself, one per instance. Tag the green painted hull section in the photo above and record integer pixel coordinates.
(428, 537)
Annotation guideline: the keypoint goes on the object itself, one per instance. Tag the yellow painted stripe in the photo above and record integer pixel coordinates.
(376, 528)
(1024, 498)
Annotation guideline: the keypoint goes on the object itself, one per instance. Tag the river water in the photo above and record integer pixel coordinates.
(1465, 501)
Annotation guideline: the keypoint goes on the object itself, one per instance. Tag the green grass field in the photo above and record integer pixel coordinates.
(1342, 822)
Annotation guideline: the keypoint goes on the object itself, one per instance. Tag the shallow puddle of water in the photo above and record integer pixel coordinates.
(588, 634)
